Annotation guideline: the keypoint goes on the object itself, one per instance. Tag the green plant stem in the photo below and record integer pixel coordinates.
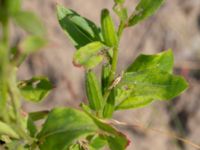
(114, 65)
(15, 101)
(5, 42)
(114, 60)
(5, 28)
(121, 29)
(12, 87)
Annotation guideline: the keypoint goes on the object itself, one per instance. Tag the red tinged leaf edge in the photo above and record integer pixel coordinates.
(76, 64)
(109, 126)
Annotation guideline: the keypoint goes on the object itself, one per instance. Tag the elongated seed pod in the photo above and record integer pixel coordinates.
(93, 91)
(110, 105)
(105, 76)
(108, 29)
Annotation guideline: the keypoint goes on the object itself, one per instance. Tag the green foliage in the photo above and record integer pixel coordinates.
(89, 55)
(148, 85)
(121, 11)
(105, 77)
(144, 9)
(31, 44)
(110, 105)
(14, 6)
(7, 130)
(80, 30)
(63, 127)
(162, 61)
(35, 116)
(35, 89)
(119, 1)
(114, 138)
(93, 91)
(149, 78)
(108, 29)
(97, 142)
(29, 22)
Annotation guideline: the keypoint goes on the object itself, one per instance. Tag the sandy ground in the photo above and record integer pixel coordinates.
(176, 25)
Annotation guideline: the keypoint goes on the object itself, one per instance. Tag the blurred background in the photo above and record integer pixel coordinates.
(176, 25)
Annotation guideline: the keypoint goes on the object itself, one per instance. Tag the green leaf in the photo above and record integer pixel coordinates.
(75, 147)
(162, 61)
(121, 141)
(14, 6)
(16, 145)
(29, 22)
(3, 11)
(80, 30)
(106, 68)
(7, 130)
(35, 116)
(144, 9)
(28, 124)
(119, 1)
(35, 89)
(31, 127)
(31, 44)
(63, 127)
(93, 91)
(3, 79)
(97, 142)
(121, 11)
(109, 133)
(108, 29)
(138, 89)
(117, 142)
(89, 55)
(110, 105)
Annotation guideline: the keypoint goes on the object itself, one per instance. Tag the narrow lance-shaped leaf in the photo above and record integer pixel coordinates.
(89, 55)
(63, 127)
(35, 89)
(163, 61)
(29, 22)
(80, 30)
(144, 9)
(108, 29)
(93, 91)
(147, 85)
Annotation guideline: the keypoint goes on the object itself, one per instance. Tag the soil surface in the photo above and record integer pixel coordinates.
(176, 25)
